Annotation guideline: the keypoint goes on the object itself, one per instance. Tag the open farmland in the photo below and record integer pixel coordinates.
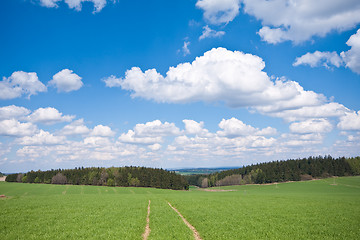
(320, 209)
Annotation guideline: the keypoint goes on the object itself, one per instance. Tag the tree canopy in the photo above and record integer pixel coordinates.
(114, 176)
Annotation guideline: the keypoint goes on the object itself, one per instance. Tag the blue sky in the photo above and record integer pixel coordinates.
(181, 83)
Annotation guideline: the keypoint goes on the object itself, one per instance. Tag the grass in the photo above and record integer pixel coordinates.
(321, 209)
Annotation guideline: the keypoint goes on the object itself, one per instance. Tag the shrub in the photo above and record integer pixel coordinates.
(111, 182)
(19, 177)
(37, 180)
(59, 178)
(24, 179)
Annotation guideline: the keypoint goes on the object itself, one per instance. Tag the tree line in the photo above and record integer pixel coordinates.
(280, 171)
(114, 176)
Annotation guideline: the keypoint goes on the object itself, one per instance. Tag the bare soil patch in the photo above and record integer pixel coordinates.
(147, 227)
(195, 232)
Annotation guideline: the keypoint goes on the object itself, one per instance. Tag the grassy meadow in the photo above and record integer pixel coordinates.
(320, 209)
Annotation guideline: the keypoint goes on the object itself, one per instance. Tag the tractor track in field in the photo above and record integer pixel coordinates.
(147, 227)
(192, 228)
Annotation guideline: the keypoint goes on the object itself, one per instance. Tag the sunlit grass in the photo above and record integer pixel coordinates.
(321, 209)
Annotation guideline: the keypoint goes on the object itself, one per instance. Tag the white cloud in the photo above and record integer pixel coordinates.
(300, 140)
(351, 121)
(149, 133)
(155, 147)
(49, 116)
(75, 128)
(156, 128)
(234, 128)
(197, 128)
(221, 75)
(352, 57)
(316, 59)
(14, 128)
(75, 4)
(219, 11)
(193, 127)
(12, 111)
(210, 33)
(300, 20)
(112, 81)
(21, 83)
(102, 131)
(235, 142)
(185, 48)
(97, 141)
(66, 81)
(267, 131)
(42, 138)
(131, 137)
(49, 3)
(325, 110)
(311, 126)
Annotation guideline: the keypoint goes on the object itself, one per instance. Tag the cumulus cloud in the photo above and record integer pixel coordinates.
(75, 128)
(300, 140)
(149, 133)
(316, 59)
(234, 128)
(351, 121)
(300, 20)
(66, 81)
(14, 128)
(210, 33)
(75, 4)
(155, 147)
(49, 116)
(131, 137)
(234, 140)
(156, 128)
(352, 57)
(219, 11)
(102, 131)
(42, 138)
(97, 141)
(220, 75)
(12, 111)
(21, 83)
(112, 81)
(311, 126)
(325, 110)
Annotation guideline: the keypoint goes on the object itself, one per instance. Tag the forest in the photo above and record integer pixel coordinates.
(280, 171)
(114, 176)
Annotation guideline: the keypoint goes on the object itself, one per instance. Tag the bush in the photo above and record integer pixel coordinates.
(19, 177)
(59, 178)
(234, 179)
(111, 182)
(24, 179)
(37, 180)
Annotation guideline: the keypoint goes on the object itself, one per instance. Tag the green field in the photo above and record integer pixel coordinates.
(320, 209)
